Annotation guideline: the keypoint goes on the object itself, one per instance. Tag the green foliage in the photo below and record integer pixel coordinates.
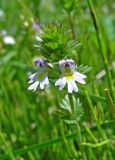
(78, 108)
(83, 69)
(56, 42)
(66, 111)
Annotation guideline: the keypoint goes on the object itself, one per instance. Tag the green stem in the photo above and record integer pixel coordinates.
(64, 139)
(101, 131)
(71, 25)
(48, 143)
(26, 9)
(110, 102)
(77, 127)
(100, 43)
(101, 113)
(94, 115)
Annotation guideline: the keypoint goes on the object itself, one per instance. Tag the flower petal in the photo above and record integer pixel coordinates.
(70, 87)
(39, 39)
(62, 83)
(75, 88)
(61, 62)
(79, 79)
(80, 75)
(46, 81)
(32, 75)
(57, 83)
(31, 81)
(71, 62)
(42, 85)
(33, 86)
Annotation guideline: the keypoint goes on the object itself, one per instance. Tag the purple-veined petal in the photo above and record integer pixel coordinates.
(71, 62)
(39, 62)
(80, 75)
(44, 82)
(61, 62)
(62, 83)
(79, 79)
(57, 83)
(32, 76)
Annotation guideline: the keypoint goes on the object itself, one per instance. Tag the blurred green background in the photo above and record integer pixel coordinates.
(28, 118)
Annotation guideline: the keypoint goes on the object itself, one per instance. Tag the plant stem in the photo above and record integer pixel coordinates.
(103, 134)
(64, 138)
(77, 127)
(100, 43)
(110, 102)
(101, 113)
(94, 115)
(48, 143)
(71, 25)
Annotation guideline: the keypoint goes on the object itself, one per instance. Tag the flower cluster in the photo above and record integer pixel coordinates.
(68, 76)
(40, 77)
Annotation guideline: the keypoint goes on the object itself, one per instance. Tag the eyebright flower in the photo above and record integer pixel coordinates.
(69, 76)
(36, 26)
(41, 76)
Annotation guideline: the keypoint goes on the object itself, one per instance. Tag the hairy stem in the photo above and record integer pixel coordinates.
(78, 128)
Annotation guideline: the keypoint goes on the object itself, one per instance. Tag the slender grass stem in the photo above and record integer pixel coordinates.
(94, 115)
(78, 128)
(71, 25)
(26, 9)
(101, 131)
(99, 105)
(110, 102)
(54, 141)
(64, 139)
(100, 43)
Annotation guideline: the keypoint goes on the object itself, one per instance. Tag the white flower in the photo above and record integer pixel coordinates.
(40, 77)
(9, 40)
(69, 76)
(38, 38)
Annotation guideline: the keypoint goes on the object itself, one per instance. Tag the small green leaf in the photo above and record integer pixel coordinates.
(83, 69)
(65, 104)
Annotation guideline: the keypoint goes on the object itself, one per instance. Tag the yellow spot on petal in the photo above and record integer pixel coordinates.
(69, 77)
